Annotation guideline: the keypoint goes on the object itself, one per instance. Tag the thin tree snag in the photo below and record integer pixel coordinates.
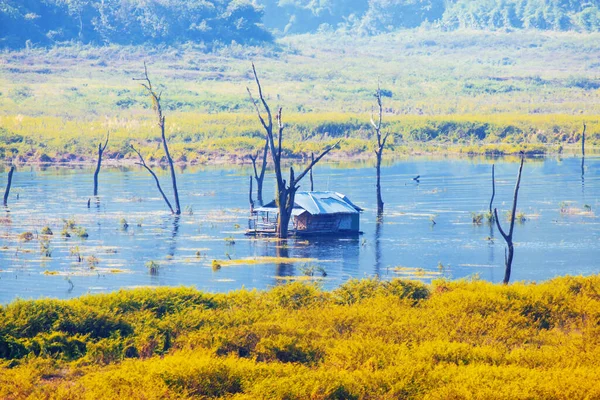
(161, 124)
(285, 191)
(583, 141)
(493, 189)
(381, 140)
(101, 149)
(312, 184)
(143, 164)
(250, 197)
(8, 184)
(508, 258)
(260, 177)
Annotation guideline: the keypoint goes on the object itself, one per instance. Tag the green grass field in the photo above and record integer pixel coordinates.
(461, 88)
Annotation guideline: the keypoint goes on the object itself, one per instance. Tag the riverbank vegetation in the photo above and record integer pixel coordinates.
(366, 339)
(459, 90)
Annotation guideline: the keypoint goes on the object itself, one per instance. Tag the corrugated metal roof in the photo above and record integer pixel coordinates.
(318, 203)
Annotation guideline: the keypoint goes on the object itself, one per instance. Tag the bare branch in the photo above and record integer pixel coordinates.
(514, 207)
(313, 162)
(280, 135)
(262, 99)
(385, 138)
(106, 143)
(143, 164)
(262, 121)
(504, 235)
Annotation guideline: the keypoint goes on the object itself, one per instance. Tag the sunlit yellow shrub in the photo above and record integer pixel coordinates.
(366, 339)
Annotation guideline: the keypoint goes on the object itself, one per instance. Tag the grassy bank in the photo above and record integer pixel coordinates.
(366, 339)
(469, 92)
(202, 138)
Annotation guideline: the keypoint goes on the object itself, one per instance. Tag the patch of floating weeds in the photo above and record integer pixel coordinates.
(300, 278)
(74, 251)
(312, 269)
(82, 232)
(263, 260)
(477, 218)
(26, 236)
(153, 267)
(92, 262)
(45, 248)
(46, 231)
(416, 273)
(51, 273)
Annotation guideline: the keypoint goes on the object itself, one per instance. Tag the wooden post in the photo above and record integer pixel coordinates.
(161, 124)
(508, 258)
(285, 191)
(8, 184)
(100, 152)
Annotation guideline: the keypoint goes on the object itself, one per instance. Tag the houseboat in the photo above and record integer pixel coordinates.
(314, 213)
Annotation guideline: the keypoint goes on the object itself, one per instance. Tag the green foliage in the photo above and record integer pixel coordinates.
(93, 21)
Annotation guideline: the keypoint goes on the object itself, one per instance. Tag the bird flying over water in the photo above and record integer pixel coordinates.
(416, 178)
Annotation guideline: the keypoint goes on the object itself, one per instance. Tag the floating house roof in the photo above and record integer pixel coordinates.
(318, 203)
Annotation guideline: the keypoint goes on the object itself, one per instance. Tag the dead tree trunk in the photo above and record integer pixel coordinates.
(508, 258)
(161, 124)
(380, 145)
(8, 184)
(583, 141)
(493, 189)
(143, 164)
(250, 197)
(312, 183)
(285, 191)
(101, 149)
(260, 177)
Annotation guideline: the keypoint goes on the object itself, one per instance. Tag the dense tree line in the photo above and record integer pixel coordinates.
(210, 21)
(374, 16)
(44, 22)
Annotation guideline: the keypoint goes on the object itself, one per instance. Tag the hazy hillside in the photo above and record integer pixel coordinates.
(45, 22)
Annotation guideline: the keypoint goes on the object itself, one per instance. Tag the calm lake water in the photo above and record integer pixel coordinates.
(407, 244)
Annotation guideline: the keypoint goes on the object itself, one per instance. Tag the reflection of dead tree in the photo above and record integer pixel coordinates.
(509, 237)
(260, 177)
(285, 191)
(493, 190)
(583, 156)
(379, 149)
(143, 164)
(161, 124)
(8, 184)
(101, 149)
(250, 197)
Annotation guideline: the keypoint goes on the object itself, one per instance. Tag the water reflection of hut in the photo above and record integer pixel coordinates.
(313, 213)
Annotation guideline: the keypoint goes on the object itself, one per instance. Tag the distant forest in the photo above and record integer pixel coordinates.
(45, 22)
